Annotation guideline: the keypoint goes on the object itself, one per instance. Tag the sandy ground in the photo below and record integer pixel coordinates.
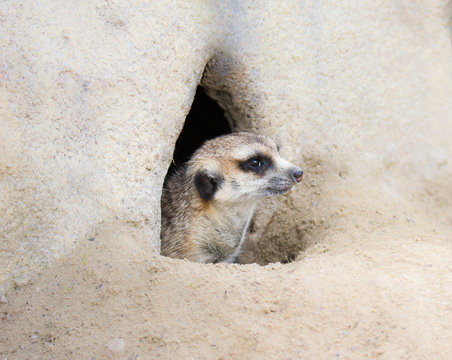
(378, 285)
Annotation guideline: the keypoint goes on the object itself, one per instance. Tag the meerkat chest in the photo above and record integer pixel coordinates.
(236, 217)
(223, 231)
(229, 226)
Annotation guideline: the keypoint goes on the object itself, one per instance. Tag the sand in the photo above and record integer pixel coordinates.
(93, 96)
(379, 285)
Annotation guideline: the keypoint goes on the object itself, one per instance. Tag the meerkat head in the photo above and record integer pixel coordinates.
(241, 167)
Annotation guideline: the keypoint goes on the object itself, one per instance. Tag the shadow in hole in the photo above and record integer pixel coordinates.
(204, 121)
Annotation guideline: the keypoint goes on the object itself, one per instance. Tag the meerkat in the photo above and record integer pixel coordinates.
(208, 203)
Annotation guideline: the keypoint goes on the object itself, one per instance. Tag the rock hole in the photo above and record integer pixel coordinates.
(204, 121)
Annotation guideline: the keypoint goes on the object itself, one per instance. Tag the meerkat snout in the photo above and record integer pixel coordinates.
(297, 174)
(208, 203)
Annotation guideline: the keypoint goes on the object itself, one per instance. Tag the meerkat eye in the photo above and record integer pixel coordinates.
(255, 163)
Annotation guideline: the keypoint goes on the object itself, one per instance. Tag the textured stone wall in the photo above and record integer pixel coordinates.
(357, 94)
(93, 96)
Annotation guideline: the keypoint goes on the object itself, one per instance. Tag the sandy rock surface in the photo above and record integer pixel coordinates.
(92, 98)
(384, 296)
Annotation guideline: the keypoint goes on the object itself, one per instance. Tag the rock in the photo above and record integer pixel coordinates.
(116, 345)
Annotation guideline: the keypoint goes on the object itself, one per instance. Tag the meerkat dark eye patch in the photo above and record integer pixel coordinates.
(206, 185)
(257, 164)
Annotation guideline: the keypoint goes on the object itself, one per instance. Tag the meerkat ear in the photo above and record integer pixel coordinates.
(206, 185)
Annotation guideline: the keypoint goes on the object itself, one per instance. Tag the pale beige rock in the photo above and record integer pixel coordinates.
(116, 345)
(92, 97)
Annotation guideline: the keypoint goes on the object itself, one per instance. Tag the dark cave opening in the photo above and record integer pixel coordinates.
(204, 121)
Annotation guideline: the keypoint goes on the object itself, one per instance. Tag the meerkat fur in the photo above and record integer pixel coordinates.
(208, 203)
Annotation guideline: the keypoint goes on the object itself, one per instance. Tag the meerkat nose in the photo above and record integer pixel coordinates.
(297, 174)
